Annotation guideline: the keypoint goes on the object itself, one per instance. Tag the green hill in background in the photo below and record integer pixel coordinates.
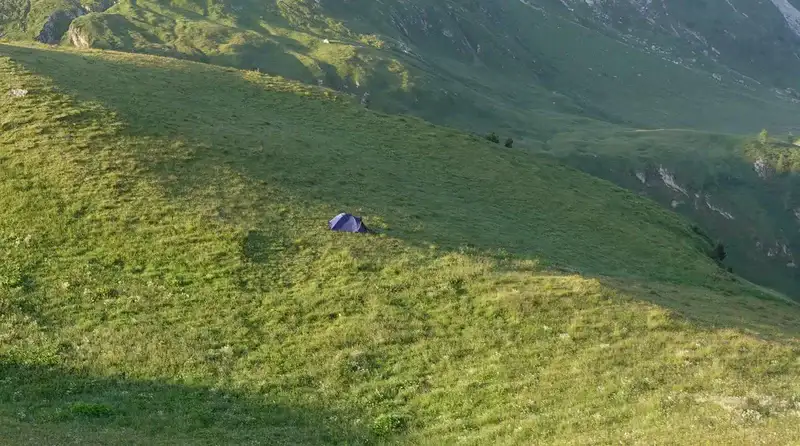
(167, 275)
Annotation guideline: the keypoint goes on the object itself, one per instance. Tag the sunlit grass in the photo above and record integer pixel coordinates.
(168, 278)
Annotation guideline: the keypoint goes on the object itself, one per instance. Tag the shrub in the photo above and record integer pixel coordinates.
(372, 40)
(763, 137)
(718, 253)
(699, 231)
(94, 410)
(493, 138)
(509, 142)
(387, 424)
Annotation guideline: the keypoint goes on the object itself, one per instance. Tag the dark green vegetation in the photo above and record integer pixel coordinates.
(740, 191)
(168, 278)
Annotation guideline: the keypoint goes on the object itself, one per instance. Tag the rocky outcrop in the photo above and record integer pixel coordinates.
(78, 38)
(669, 180)
(762, 169)
(58, 23)
(98, 5)
(790, 14)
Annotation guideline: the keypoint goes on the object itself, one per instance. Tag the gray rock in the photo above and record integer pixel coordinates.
(98, 5)
(57, 24)
(77, 38)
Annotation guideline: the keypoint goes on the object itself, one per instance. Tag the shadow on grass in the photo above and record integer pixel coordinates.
(337, 157)
(763, 314)
(733, 203)
(48, 405)
(341, 156)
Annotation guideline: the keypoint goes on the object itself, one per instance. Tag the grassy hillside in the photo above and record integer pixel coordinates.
(168, 278)
(576, 84)
(741, 192)
(475, 64)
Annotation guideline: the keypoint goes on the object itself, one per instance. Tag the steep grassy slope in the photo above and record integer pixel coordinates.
(742, 192)
(575, 81)
(728, 37)
(168, 278)
(476, 64)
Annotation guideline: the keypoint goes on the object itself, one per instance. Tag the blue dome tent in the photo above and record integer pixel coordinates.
(347, 223)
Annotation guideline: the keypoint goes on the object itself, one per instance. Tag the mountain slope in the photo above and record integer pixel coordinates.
(168, 277)
(477, 64)
(758, 40)
(743, 192)
(572, 78)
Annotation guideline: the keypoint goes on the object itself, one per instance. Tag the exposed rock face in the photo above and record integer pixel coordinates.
(98, 5)
(762, 169)
(669, 180)
(78, 38)
(718, 210)
(58, 23)
(790, 13)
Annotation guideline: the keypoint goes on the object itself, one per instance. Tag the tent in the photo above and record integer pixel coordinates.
(347, 223)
